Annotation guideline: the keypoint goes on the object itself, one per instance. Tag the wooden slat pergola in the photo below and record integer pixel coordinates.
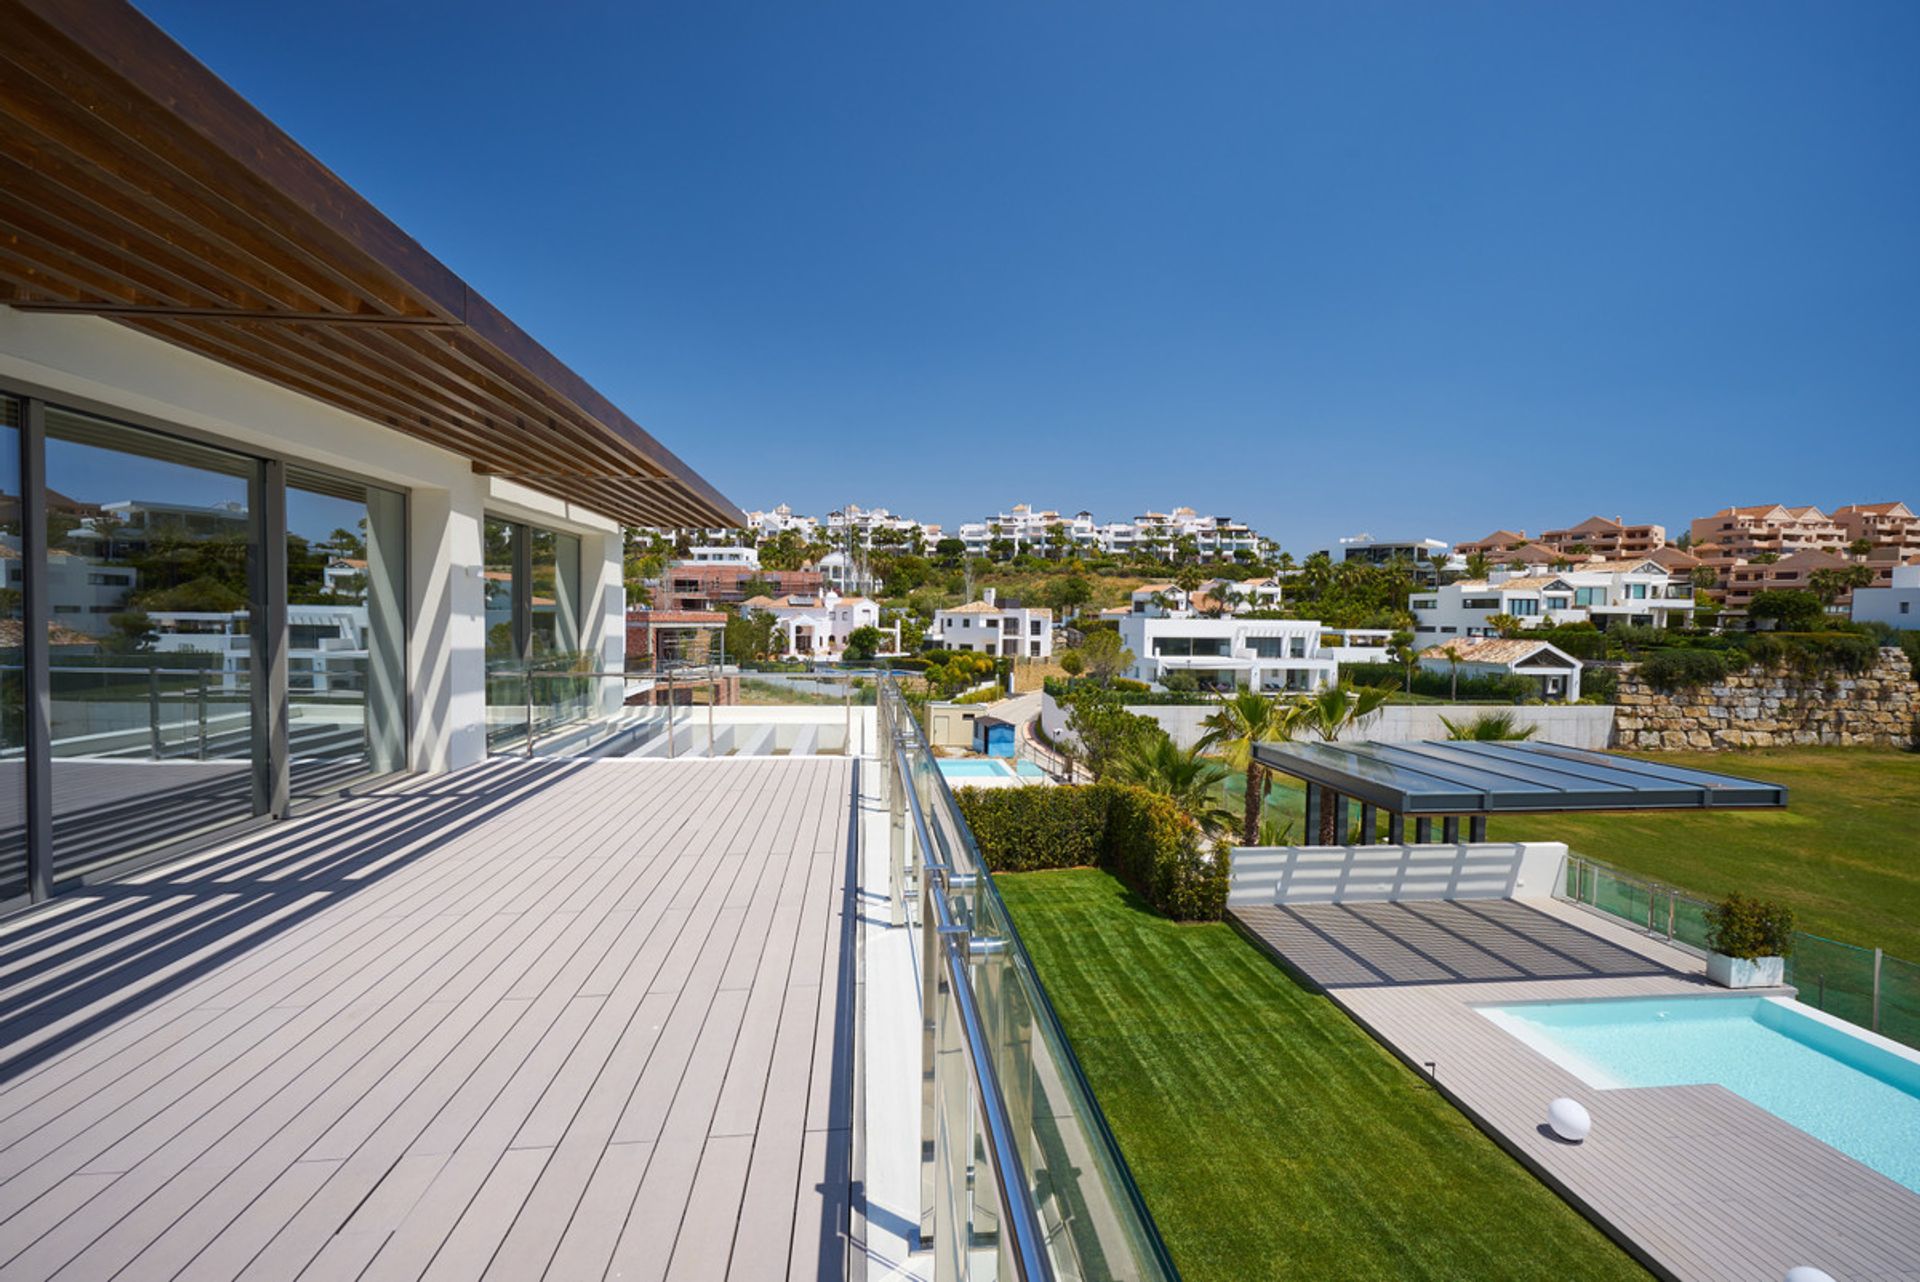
(136, 185)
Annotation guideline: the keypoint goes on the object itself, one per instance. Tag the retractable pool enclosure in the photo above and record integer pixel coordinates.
(1449, 780)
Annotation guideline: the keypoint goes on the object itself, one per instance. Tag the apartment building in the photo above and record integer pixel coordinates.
(1892, 528)
(1214, 597)
(1045, 532)
(987, 627)
(708, 585)
(1609, 539)
(1641, 592)
(865, 527)
(1742, 533)
(1742, 580)
(1493, 544)
(764, 525)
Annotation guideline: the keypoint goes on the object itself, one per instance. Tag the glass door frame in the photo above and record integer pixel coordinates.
(267, 592)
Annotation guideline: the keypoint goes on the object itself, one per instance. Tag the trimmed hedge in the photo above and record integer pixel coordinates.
(1139, 836)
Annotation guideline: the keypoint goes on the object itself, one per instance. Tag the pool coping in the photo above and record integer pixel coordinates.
(1694, 1182)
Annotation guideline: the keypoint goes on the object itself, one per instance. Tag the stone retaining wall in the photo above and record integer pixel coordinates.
(1773, 709)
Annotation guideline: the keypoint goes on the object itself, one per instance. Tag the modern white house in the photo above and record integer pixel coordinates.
(987, 627)
(1640, 592)
(1045, 532)
(1556, 671)
(744, 556)
(1896, 606)
(1273, 655)
(1421, 554)
(817, 625)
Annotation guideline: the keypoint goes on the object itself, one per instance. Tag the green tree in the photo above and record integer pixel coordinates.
(1183, 775)
(1789, 610)
(1104, 654)
(1506, 625)
(1705, 577)
(1066, 593)
(1243, 720)
(1831, 585)
(864, 643)
(1104, 728)
(1072, 664)
(1479, 566)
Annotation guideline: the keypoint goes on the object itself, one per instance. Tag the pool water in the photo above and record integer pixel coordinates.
(988, 768)
(1859, 1095)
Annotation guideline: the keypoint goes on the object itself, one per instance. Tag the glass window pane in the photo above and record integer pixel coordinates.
(13, 702)
(506, 686)
(555, 593)
(150, 567)
(345, 631)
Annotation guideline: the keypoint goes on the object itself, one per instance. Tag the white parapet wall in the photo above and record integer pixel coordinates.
(1269, 875)
(1577, 725)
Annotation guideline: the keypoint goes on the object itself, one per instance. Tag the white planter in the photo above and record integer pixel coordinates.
(1738, 972)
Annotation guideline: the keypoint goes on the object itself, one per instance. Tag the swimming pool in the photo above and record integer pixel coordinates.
(988, 768)
(1857, 1092)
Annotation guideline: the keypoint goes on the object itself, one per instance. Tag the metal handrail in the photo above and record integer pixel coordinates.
(1026, 1234)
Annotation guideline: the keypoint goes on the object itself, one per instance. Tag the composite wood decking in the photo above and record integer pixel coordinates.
(1699, 1182)
(534, 1019)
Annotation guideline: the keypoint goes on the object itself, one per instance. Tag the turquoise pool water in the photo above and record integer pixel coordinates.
(985, 768)
(1852, 1093)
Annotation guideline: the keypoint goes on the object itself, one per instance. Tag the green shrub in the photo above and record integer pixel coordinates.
(1140, 837)
(1679, 669)
(1750, 928)
(1028, 829)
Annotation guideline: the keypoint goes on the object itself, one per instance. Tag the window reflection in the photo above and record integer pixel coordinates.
(149, 575)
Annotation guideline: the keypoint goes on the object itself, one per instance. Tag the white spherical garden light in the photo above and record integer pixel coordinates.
(1807, 1273)
(1568, 1119)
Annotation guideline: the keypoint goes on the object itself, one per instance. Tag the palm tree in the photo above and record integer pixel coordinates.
(1479, 565)
(1327, 712)
(1243, 719)
(1188, 779)
(1488, 727)
(1452, 653)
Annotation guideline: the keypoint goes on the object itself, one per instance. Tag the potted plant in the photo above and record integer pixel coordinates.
(1749, 941)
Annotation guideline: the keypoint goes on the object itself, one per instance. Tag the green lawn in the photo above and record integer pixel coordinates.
(1271, 1136)
(1843, 853)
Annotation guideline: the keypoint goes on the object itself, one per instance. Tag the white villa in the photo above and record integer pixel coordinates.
(747, 556)
(1273, 655)
(817, 626)
(1557, 671)
(987, 627)
(1638, 592)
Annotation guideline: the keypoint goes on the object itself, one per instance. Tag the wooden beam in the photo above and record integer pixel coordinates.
(178, 312)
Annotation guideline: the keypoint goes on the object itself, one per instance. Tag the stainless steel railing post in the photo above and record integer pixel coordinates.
(1878, 957)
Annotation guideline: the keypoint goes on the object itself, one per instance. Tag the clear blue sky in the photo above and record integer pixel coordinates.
(1410, 268)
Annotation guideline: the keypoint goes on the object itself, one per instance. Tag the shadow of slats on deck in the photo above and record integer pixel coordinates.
(534, 1019)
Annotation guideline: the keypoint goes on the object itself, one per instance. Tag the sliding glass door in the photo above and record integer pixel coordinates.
(346, 632)
(13, 671)
(191, 638)
(533, 634)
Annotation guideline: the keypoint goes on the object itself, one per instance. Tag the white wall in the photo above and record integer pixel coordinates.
(1354, 874)
(1584, 725)
(89, 359)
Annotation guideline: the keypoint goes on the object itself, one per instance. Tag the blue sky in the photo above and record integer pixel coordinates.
(1409, 268)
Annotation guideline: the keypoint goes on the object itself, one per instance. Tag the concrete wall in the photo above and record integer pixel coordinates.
(1582, 725)
(89, 360)
(1353, 874)
(1771, 709)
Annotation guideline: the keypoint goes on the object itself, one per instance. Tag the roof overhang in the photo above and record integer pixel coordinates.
(1466, 778)
(137, 186)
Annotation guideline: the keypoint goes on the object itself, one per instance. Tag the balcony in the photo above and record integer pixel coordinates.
(570, 1016)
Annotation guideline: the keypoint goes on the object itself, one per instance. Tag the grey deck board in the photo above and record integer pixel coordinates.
(517, 1022)
(1701, 1183)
